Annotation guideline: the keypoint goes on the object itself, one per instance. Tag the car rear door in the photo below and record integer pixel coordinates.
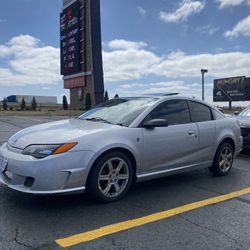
(172, 146)
(203, 116)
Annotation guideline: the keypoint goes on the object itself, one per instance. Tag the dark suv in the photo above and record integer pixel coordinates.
(244, 120)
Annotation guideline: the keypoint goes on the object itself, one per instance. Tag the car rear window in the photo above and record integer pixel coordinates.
(200, 112)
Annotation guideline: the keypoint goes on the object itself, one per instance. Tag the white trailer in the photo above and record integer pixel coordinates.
(39, 99)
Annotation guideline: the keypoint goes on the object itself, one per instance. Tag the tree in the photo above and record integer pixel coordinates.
(116, 96)
(23, 104)
(65, 103)
(106, 96)
(5, 105)
(88, 101)
(34, 104)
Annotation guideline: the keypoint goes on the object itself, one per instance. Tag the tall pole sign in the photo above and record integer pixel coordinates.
(81, 51)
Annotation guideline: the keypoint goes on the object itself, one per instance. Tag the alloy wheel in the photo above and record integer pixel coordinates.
(225, 159)
(113, 177)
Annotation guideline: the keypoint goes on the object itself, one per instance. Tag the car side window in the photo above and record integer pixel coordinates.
(174, 111)
(200, 112)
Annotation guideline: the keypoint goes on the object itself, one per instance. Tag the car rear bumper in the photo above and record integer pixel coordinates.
(52, 175)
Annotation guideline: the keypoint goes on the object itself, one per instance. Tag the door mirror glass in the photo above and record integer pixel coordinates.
(155, 123)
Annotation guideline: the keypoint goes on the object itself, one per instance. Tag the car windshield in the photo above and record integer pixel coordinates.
(245, 112)
(119, 111)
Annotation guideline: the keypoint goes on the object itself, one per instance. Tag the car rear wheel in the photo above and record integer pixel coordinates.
(110, 177)
(223, 160)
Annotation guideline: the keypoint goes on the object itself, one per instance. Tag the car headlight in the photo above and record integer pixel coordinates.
(42, 151)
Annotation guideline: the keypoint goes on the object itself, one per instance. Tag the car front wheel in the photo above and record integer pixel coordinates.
(110, 177)
(223, 160)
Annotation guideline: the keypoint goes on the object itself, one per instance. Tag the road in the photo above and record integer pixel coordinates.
(36, 222)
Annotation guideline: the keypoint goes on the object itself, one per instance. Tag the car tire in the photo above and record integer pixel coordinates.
(110, 177)
(223, 160)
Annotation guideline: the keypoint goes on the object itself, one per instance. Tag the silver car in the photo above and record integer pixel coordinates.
(117, 143)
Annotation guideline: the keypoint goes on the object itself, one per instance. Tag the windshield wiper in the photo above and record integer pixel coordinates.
(97, 119)
(120, 124)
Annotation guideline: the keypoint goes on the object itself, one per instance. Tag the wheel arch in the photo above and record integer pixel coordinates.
(228, 140)
(125, 151)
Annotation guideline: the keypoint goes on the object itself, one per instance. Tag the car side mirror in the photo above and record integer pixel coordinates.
(154, 123)
(236, 112)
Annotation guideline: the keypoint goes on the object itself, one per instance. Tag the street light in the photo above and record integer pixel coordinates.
(203, 71)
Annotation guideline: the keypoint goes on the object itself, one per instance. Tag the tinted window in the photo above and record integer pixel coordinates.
(200, 112)
(174, 111)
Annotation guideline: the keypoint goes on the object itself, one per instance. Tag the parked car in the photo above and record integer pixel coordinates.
(244, 121)
(119, 142)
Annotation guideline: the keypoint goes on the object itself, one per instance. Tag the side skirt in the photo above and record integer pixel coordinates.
(172, 171)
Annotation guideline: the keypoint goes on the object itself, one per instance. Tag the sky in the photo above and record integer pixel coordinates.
(148, 46)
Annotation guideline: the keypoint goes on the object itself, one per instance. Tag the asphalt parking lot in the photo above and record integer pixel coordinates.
(36, 222)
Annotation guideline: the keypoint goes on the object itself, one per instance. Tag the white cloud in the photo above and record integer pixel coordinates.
(125, 44)
(132, 64)
(127, 61)
(46, 88)
(131, 86)
(186, 9)
(228, 3)
(191, 89)
(241, 28)
(219, 65)
(141, 11)
(167, 87)
(207, 29)
(30, 62)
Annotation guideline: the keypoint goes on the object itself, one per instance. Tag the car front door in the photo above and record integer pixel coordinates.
(172, 146)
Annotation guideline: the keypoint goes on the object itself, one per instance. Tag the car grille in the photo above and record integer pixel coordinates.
(245, 132)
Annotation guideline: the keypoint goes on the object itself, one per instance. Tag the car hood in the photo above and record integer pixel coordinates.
(244, 121)
(56, 132)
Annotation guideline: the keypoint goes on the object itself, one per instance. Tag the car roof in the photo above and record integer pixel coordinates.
(163, 94)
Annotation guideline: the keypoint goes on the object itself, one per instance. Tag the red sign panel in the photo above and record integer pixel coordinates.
(74, 82)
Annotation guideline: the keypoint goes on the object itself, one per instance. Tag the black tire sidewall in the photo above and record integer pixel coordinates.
(92, 184)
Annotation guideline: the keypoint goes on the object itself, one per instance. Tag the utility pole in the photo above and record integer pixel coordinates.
(203, 71)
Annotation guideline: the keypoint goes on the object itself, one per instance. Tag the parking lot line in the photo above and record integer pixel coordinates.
(125, 225)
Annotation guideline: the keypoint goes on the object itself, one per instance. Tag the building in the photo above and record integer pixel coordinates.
(81, 51)
(48, 100)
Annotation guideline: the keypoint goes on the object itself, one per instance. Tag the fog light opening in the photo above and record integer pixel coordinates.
(29, 182)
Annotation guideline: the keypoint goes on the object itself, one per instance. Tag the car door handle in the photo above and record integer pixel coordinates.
(191, 132)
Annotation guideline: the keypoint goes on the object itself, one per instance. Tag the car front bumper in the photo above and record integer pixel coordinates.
(245, 132)
(61, 173)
